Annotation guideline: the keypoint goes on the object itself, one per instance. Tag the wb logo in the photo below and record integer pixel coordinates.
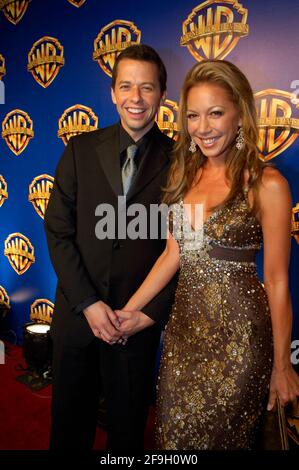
(2, 92)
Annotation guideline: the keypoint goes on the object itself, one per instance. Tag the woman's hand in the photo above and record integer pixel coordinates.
(131, 322)
(284, 384)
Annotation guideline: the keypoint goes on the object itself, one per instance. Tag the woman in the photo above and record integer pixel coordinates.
(228, 339)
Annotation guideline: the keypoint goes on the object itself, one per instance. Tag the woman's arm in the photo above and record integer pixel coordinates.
(131, 317)
(161, 273)
(275, 216)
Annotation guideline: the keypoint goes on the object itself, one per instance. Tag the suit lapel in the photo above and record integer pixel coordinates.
(108, 156)
(153, 162)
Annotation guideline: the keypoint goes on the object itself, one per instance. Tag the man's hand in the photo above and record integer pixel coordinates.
(132, 322)
(103, 322)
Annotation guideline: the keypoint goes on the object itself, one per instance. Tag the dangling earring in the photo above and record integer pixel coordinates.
(240, 138)
(192, 147)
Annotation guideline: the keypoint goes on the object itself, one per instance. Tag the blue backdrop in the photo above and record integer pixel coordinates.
(267, 55)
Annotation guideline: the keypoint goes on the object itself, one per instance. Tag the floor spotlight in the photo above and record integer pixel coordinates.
(37, 345)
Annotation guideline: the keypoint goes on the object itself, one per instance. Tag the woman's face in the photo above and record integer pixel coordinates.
(212, 119)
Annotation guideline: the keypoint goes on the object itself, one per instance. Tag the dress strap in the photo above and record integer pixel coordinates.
(245, 189)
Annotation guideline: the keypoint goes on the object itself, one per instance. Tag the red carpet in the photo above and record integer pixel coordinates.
(25, 415)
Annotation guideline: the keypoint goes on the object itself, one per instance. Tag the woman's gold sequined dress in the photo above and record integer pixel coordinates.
(217, 356)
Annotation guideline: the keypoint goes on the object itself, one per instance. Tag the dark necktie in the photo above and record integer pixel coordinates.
(129, 168)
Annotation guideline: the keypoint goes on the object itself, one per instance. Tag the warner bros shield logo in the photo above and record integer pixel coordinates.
(14, 10)
(40, 192)
(112, 40)
(77, 3)
(19, 251)
(278, 120)
(167, 118)
(3, 190)
(45, 59)
(4, 298)
(17, 130)
(2, 67)
(213, 29)
(75, 120)
(41, 311)
(295, 222)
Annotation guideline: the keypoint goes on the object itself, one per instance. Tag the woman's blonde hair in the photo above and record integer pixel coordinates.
(186, 164)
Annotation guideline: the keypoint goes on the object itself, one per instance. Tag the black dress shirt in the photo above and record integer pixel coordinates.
(125, 140)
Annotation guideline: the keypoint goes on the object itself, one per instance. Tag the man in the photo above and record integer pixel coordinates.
(97, 276)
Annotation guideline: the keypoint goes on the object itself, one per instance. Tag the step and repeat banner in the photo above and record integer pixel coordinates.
(56, 58)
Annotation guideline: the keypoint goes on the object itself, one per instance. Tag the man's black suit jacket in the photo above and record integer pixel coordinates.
(87, 175)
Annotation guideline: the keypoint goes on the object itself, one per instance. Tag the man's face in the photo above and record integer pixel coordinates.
(137, 96)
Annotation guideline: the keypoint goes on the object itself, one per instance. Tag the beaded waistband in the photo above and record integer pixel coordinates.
(232, 254)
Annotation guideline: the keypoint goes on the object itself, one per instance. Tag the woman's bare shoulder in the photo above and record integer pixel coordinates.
(273, 180)
(274, 191)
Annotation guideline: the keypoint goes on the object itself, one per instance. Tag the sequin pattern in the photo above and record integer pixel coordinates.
(217, 355)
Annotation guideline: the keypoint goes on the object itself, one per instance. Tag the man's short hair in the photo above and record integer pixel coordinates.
(143, 53)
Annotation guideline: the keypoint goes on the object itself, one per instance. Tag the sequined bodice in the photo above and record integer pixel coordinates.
(234, 225)
(231, 226)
